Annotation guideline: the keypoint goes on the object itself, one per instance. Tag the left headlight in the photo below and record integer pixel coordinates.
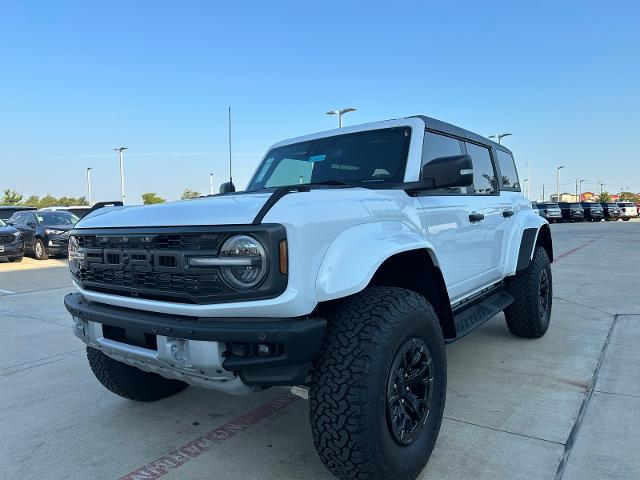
(242, 261)
(75, 255)
(17, 235)
(51, 231)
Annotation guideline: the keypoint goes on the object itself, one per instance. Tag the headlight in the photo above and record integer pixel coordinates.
(242, 261)
(75, 255)
(17, 235)
(49, 231)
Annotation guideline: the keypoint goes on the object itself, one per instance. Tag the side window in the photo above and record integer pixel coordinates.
(18, 219)
(436, 146)
(484, 177)
(508, 172)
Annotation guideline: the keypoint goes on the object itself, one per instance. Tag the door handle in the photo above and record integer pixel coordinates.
(507, 213)
(475, 217)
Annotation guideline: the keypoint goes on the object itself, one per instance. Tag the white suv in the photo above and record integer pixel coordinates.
(628, 210)
(350, 260)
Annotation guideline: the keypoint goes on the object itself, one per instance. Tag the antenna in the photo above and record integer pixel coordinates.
(230, 176)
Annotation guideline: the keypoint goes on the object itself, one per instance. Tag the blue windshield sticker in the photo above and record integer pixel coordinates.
(263, 170)
(317, 158)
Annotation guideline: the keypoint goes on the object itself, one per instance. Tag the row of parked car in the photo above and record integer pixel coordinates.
(41, 233)
(589, 211)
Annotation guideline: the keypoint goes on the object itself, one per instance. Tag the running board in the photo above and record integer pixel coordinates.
(470, 317)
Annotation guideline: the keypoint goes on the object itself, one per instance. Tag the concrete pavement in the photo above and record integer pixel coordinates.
(566, 406)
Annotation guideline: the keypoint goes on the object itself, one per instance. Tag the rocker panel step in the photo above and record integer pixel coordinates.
(471, 317)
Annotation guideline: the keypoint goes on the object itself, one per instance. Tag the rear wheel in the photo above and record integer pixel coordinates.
(378, 386)
(131, 382)
(626, 219)
(39, 250)
(530, 313)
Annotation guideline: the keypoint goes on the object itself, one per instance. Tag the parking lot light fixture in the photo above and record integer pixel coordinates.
(500, 136)
(120, 150)
(340, 113)
(558, 182)
(211, 184)
(89, 185)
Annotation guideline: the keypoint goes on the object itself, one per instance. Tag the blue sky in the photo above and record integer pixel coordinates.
(80, 78)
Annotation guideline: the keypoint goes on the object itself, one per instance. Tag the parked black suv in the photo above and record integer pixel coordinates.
(549, 211)
(592, 211)
(45, 233)
(611, 211)
(6, 211)
(571, 212)
(11, 243)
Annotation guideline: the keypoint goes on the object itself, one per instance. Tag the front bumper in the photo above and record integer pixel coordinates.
(221, 353)
(57, 245)
(12, 249)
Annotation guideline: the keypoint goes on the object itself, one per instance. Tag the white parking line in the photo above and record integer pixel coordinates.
(8, 292)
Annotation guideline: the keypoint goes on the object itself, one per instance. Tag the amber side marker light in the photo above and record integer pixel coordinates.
(284, 260)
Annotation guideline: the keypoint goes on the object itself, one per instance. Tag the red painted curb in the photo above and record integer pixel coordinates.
(574, 250)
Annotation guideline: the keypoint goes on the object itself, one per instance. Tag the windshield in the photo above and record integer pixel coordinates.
(56, 218)
(361, 158)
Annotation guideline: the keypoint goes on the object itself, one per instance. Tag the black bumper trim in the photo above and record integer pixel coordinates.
(300, 338)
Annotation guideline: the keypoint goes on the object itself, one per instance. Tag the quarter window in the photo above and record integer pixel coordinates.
(484, 177)
(508, 172)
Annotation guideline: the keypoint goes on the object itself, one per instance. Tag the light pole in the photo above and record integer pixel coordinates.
(120, 150)
(524, 190)
(89, 185)
(340, 113)
(580, 195)
(529, 179)
(500, 136)
(543, 193)
(558, 183)
(211, 184)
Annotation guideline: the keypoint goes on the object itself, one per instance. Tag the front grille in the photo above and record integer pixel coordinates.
(152, 262)
(7, 239)
(151, 266)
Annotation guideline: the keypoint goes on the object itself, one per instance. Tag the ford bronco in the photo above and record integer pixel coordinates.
(350, 260)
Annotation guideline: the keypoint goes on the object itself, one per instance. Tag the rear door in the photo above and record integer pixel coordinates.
(460, 242)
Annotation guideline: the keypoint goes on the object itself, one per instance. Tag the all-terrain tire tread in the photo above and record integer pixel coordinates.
(355, 332)
(131, 382)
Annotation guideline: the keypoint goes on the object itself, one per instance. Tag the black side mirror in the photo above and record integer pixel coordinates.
(227, 187)
(444, 172)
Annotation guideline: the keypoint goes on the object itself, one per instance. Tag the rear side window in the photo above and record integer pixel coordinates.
(436, 146)
(508, 173)
(484, 177)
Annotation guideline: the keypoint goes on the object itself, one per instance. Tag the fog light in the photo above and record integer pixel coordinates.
(263, 349)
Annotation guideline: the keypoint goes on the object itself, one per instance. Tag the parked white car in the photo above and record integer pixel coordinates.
(628, 210)
(349, 261)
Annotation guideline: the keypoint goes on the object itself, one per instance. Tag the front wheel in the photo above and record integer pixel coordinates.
(532, 289)
(625, 219)
(39, 250)
(131, 382)
(378, 386)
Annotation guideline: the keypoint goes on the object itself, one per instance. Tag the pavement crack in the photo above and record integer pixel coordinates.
(584, 306)
(568, 446)
(616, 393)
(503, 431)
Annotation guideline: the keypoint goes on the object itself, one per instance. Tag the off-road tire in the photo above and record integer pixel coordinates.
(40, 253)
(348, 408)
(130, 382)
(524, 316)
(15, 259)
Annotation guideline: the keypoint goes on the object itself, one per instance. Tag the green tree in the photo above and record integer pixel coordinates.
(48, 201)
(189, 194)
(11, 197)
(629, 197)
(604, 197)
(150, 198)
(32, 201)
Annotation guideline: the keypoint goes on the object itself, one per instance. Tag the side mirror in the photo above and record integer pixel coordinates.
(31, 224)
(9, 222)
(444, 172)
(227, 187)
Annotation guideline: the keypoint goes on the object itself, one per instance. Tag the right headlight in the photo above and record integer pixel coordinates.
(75, 255)
(242, 261)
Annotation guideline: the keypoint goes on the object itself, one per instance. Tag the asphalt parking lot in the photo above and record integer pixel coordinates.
(566, 406)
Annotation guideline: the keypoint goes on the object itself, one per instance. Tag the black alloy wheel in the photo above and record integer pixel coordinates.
(409, 388)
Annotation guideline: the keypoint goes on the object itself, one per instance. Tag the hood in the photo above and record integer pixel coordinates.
(64, 227)
(8, 229)
(239, 209)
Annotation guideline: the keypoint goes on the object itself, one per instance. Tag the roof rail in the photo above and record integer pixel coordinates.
(97, 205)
